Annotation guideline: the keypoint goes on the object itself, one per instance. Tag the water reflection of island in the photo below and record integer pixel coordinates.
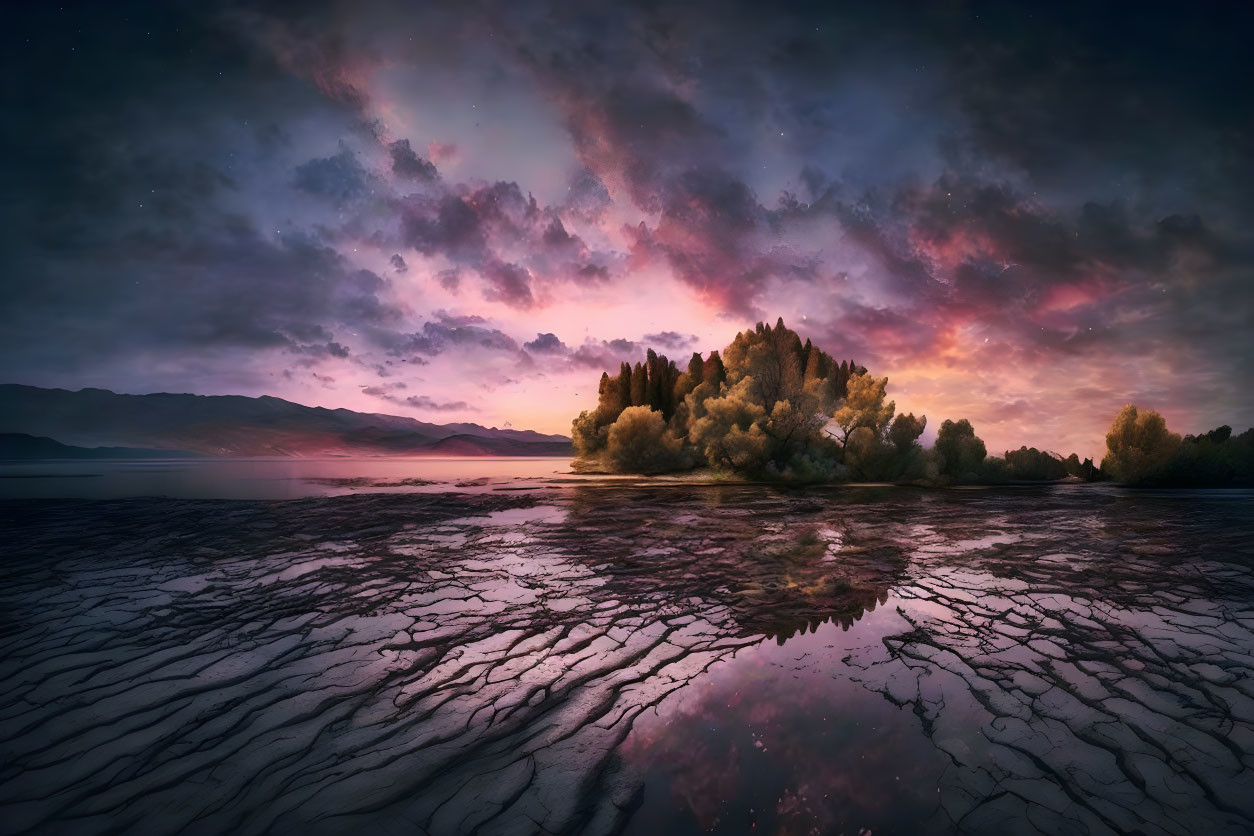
(777, 569)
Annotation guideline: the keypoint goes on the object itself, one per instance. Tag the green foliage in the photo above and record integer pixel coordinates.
(905, 431)
(994, 470)
(1085, 470)
(773, 407)
(1030, 464)
(729, 433)
(1140, 450)
(1139, 447)
(864, 407)
(639, 442)
(759, 407)
(588, 436)
(1216, 458)
(959, 453)
(868, 457)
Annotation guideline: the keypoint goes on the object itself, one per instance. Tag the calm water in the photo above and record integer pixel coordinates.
(596, 657)
(262, 478)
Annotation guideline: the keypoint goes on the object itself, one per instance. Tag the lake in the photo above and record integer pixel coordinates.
(536, 653)
(263, 478)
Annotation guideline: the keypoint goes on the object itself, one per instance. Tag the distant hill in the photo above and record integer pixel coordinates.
(234, 425)
(23, 446)
(471, 445)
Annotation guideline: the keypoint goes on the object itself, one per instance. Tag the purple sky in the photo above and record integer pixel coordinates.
(467, 211)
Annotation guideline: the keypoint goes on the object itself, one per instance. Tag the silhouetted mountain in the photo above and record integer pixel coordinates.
(23, 446)
(472, 445)
(234, 425)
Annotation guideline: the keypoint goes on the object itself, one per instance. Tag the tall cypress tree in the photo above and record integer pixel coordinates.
(639, 385)
(624, 384)
(670, 376)
(603, 390)
(696, 370)
(815, 369)
(653, 388)
(715, 373)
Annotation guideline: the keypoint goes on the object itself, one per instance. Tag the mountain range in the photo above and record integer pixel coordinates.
(235, 425)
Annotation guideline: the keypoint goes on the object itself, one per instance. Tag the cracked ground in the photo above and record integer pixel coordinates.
(602, 658)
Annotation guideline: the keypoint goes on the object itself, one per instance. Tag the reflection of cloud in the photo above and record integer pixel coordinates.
(774, 739)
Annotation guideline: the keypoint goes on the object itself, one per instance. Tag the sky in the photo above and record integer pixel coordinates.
(1026, 215)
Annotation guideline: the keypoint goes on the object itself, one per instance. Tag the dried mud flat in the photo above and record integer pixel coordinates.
(1072, 660)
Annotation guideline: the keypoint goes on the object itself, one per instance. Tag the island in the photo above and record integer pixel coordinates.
(770, 407)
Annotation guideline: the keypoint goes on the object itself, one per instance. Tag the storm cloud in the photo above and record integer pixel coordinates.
(1022, 215)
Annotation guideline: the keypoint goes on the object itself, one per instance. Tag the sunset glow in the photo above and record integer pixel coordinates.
(469, 216)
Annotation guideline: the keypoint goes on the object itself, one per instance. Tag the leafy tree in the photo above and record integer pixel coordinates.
(905, 431)
(793, 428)
(959, 452)
(588, 436)
(1218, 435)
(1139, 447)
(729, 433)
(867, 455)
(864, 407)
(1028, 463)
(764, 405)
(760, 406)
(639, 442)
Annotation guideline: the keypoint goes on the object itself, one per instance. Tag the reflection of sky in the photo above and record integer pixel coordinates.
(780, 738)
(921, 199)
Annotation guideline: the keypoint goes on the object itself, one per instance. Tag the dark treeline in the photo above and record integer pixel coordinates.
(1140, 450)
(1031, 465)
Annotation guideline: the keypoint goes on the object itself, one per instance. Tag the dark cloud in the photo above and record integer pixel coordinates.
(193, 181)
(408, 165)
(508, 283)
(446, 332)
(449, 279)
(429, 403)
(555, 235)
(339, 179)
(383, 390)
(473, 225)
(394, 393)
(447, 226)
(587, 195)
(717, 237)
(593, 272)
(545, 344)
(670, 340)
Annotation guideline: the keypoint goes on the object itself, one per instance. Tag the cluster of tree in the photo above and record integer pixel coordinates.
(760, 407)
(1028, 464)
(771, 406)
(1140, 450)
